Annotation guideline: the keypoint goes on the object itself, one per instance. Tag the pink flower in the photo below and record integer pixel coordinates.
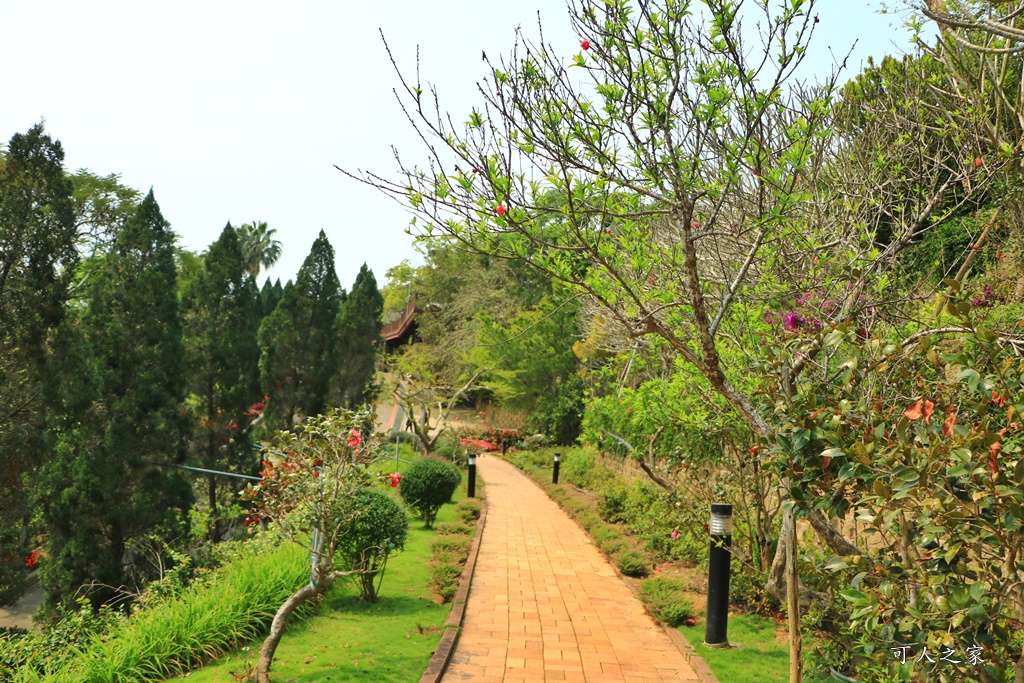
(650, 280)
(355, 438)
(793, 321)
(674, 534)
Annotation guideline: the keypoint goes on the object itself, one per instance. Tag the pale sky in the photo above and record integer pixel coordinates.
(238, 111)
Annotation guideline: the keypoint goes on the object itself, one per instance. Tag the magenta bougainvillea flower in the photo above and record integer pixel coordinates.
(793, 321)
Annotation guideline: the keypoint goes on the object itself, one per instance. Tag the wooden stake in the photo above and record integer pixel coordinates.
(793, 603)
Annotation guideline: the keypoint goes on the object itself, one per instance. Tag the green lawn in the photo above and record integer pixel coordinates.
(761, 658)
(349, 640)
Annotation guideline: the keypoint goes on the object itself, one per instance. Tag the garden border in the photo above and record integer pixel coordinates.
(453, 625)
(700, 667)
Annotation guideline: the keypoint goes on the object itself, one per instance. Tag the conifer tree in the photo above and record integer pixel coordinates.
(221, 311)
(359, 322)
(298, 341)
(108, 486)
(37, 260)
(270, 296)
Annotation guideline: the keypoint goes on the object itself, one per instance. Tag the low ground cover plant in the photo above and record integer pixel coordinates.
(451, 550)
(665, 599)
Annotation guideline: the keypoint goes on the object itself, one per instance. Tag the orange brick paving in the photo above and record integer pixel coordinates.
(545, 605)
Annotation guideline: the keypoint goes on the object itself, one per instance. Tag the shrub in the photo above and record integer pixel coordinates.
(531, 443)
(611, 546)
(632, 563)
(580, 468)
(612, 504)
(444, 579)
(447, 529)
(663, 597)
(379, 528)
(428, 484)
(403, 437)
(468, 510)
(452, 549)
(449, 447)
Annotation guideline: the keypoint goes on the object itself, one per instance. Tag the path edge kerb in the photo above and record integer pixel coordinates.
(453, 625)
(696, 662)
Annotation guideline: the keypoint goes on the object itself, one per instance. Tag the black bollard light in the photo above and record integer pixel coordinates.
(471, 485)
(715, 631)
(554, 471)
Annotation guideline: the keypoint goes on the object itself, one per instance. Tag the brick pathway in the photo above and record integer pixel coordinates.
(545, 605)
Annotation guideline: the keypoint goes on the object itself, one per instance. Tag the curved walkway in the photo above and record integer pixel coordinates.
(545, 605)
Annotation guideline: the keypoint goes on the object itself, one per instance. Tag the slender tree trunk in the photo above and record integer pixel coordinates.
(792, 601)
(214, 513)
(307, 592)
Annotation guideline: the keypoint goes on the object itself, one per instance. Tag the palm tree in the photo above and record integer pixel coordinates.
(259, 248)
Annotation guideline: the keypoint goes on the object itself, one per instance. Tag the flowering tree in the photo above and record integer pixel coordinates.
(684, 184)
(311, 494)
(672, 187)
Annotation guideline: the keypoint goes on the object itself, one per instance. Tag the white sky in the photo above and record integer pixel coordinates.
(238, 111)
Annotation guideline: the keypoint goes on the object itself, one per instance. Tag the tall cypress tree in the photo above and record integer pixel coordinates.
(298, 341)
(124, 422)
(221, 311)
(37, 260)
(359, 322)
(270, 296)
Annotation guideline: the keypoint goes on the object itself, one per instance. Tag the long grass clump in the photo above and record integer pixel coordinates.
(235, 606)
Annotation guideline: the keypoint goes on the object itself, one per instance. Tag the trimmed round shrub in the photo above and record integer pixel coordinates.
(378, 528)
(427, 484)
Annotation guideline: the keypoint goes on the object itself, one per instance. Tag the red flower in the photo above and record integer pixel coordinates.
(977, 161)
(585, 44)
(395, 479)
(317, 462)
(355, 439)
(32, 560)
(501, 211)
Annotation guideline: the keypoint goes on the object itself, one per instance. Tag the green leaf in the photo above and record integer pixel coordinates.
(836, 563)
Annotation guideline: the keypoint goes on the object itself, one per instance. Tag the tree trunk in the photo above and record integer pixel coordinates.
(307, 592)
(777, 575)
(792, 601)
(212, 492)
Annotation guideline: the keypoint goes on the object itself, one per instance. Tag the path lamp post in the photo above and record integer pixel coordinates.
(471, 485)
(554, 470)
(718, 576)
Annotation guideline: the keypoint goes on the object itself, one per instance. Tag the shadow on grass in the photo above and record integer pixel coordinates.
(762, 655)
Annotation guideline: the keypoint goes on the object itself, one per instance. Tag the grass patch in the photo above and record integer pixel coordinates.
(762, 658)
(350, 640)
